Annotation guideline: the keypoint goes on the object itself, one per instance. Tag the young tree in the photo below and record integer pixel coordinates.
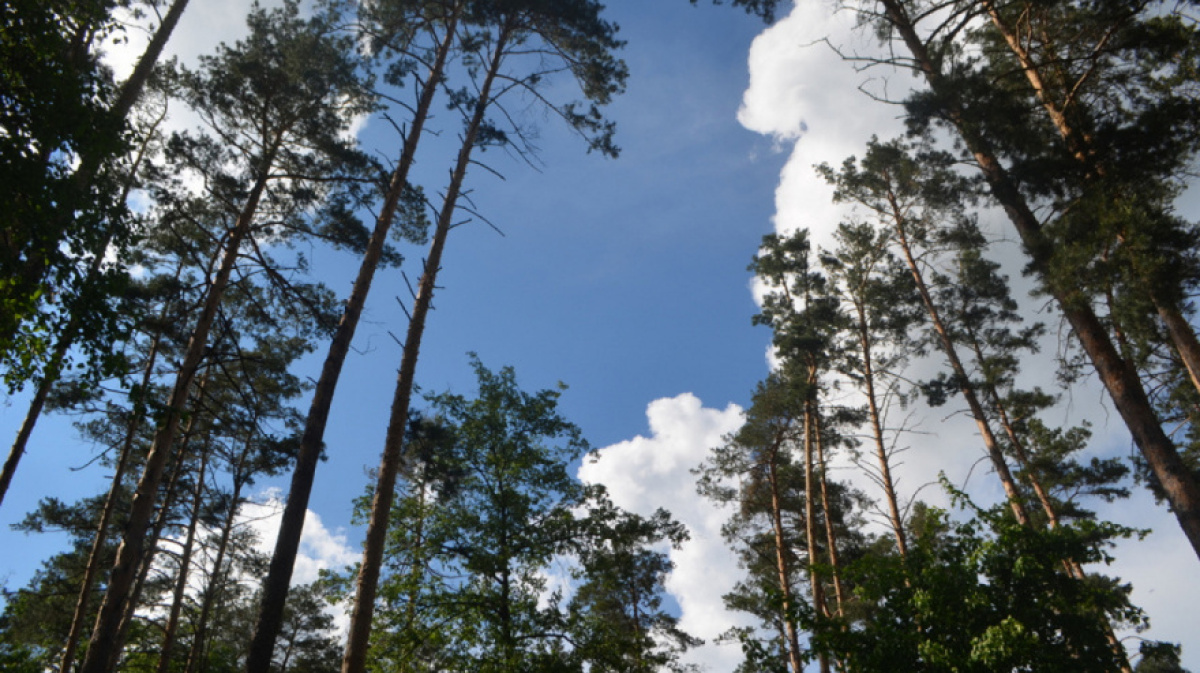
(488, 510)
(879, 300)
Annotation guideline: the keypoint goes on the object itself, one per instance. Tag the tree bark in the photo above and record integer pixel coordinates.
(287, 543)
(368, 576)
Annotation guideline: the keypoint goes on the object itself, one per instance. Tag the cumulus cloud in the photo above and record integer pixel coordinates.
(802, 91)
(320, 548)
(645, 473)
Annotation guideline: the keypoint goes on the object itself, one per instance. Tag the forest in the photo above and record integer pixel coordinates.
(979, 337)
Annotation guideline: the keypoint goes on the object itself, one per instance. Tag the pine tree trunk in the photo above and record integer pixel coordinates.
(82, 603)
(287, 543)
(131, 89)
(130, 553)
(791, 637)
(1179, 330)
(185, 562)
(820, 609)
(368, 577)
(160, 523)
(1118, 377)
(830, 531)
(137, 416)
(215, 580)
(964, 381)
(885, 470)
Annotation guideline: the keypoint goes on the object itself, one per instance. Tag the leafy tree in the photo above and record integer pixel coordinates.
(986, 594)
(60, 288)
(487, 510)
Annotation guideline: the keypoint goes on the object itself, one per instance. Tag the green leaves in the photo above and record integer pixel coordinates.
(488, 516)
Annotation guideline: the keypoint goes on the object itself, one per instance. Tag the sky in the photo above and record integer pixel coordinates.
(626, 279)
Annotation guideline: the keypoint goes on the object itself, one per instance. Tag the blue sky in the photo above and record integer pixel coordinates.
(625, 279)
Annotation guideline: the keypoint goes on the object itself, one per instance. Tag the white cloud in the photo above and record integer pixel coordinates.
(802, 90)
(645, 473)
(320, 548)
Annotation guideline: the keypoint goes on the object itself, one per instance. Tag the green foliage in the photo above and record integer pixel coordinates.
(985, 594)
(487, 513)
(54, 217)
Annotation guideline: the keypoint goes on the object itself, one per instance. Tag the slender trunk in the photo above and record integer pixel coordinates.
(131, 89)
(82, 603)
(1184, 338)
(821, 610)
(1126, 390)
(287, 543)
(215, 580)
(160, 523)
(885, 469)
(368, 577)
(130, 553)
(964, 382)
(830, 531)
(185, 562)
(791, 637)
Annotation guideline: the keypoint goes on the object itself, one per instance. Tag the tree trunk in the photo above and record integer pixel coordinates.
(160, 522)
(1118, 377)
(1179, 330)
(791, 638)
(964, 382)
(830, 532)
(110, 503)
(185, 562)
(820, 609)
(885, 470)
(199, 640)
(368, 576)
(131, 89)
(130, 553)
(287, 543)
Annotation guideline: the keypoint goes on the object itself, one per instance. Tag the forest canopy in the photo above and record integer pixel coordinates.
(239, 265)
